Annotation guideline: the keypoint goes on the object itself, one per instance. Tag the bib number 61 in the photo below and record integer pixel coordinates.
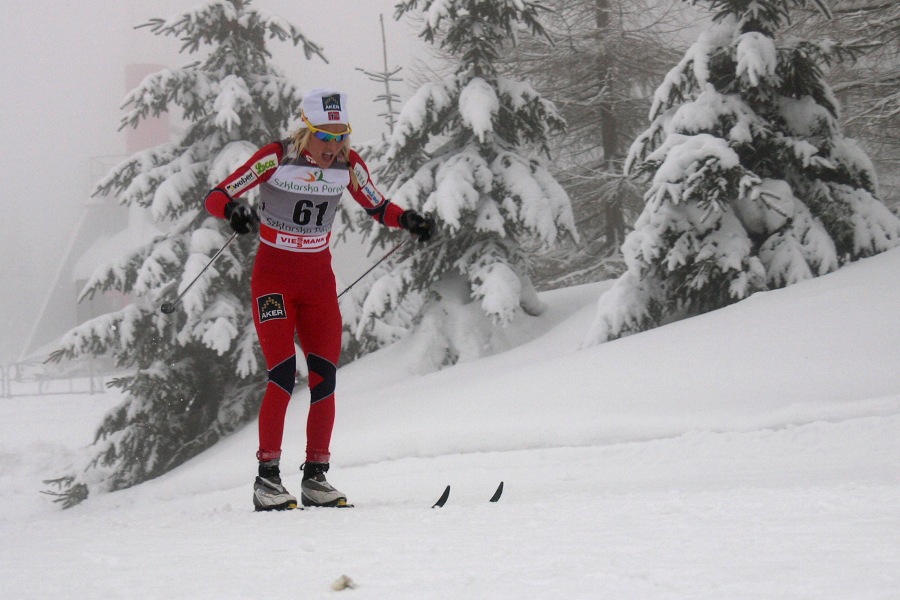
(303, 212)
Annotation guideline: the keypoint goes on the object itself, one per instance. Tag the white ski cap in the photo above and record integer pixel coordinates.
(324, 106)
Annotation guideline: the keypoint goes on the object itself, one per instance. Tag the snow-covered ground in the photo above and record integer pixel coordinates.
(753, 452)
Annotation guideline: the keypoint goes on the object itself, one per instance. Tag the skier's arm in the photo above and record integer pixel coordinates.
(260, 167)
(367, 195)
(383, 210)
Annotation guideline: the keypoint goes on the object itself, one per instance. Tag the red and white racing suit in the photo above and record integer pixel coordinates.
(293, 284)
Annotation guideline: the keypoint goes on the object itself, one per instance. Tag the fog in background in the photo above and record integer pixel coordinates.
(62, 83)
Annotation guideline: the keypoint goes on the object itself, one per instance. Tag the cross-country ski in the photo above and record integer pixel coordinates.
(443, 499)
(445, 495)
(497, 493)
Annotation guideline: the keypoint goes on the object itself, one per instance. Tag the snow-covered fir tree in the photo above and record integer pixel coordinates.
(467, 149)
(869, 85)
(753, 185)
(192, 372)
(600, 66)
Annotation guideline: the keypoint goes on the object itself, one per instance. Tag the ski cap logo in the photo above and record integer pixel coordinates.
(271, 306)
(332, 103)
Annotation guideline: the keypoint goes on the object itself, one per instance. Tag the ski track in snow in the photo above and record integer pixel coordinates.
(767, 514)
(636, 489)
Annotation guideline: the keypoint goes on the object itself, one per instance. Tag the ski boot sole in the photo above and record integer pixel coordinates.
(284, 506)
(339, 503)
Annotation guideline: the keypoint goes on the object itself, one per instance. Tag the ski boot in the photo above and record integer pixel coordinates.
(268, 493)
(316, 491)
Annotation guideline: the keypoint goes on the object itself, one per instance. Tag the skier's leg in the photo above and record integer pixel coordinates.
(319, 329)
(274, 320)
(323, 339)
(318, 322)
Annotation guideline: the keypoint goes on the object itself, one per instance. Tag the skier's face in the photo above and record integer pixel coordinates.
(325, 152)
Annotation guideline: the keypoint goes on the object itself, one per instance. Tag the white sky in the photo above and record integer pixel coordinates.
(62, 75)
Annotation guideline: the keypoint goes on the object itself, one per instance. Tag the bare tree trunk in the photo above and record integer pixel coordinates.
(615, 220)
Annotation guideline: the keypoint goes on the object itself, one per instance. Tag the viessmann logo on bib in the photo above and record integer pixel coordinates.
(301, 242)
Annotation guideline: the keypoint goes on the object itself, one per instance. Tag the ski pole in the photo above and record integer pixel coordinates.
(381, 260)
(169, 307)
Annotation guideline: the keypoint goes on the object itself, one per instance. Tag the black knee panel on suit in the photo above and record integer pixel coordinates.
(327, 371)
(283, 374)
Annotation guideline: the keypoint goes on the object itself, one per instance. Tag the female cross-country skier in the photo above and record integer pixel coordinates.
(293, 288)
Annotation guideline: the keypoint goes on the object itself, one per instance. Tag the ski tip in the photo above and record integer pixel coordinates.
(443, 499)
(497, 494)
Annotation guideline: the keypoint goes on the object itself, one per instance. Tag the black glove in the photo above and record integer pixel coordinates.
(242, 218)
(422, 226)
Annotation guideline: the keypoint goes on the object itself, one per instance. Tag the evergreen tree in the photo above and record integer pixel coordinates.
(599, 67)
(869, 85)
(191, 373)
(753, 185)
(466, 149)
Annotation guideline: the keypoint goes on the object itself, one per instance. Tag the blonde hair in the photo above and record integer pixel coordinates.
(300, 140)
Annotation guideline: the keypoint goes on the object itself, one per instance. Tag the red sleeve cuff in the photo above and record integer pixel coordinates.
(392, 215)
(215, 203)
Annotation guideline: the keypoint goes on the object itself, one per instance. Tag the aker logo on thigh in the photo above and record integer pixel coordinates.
(270, 306)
